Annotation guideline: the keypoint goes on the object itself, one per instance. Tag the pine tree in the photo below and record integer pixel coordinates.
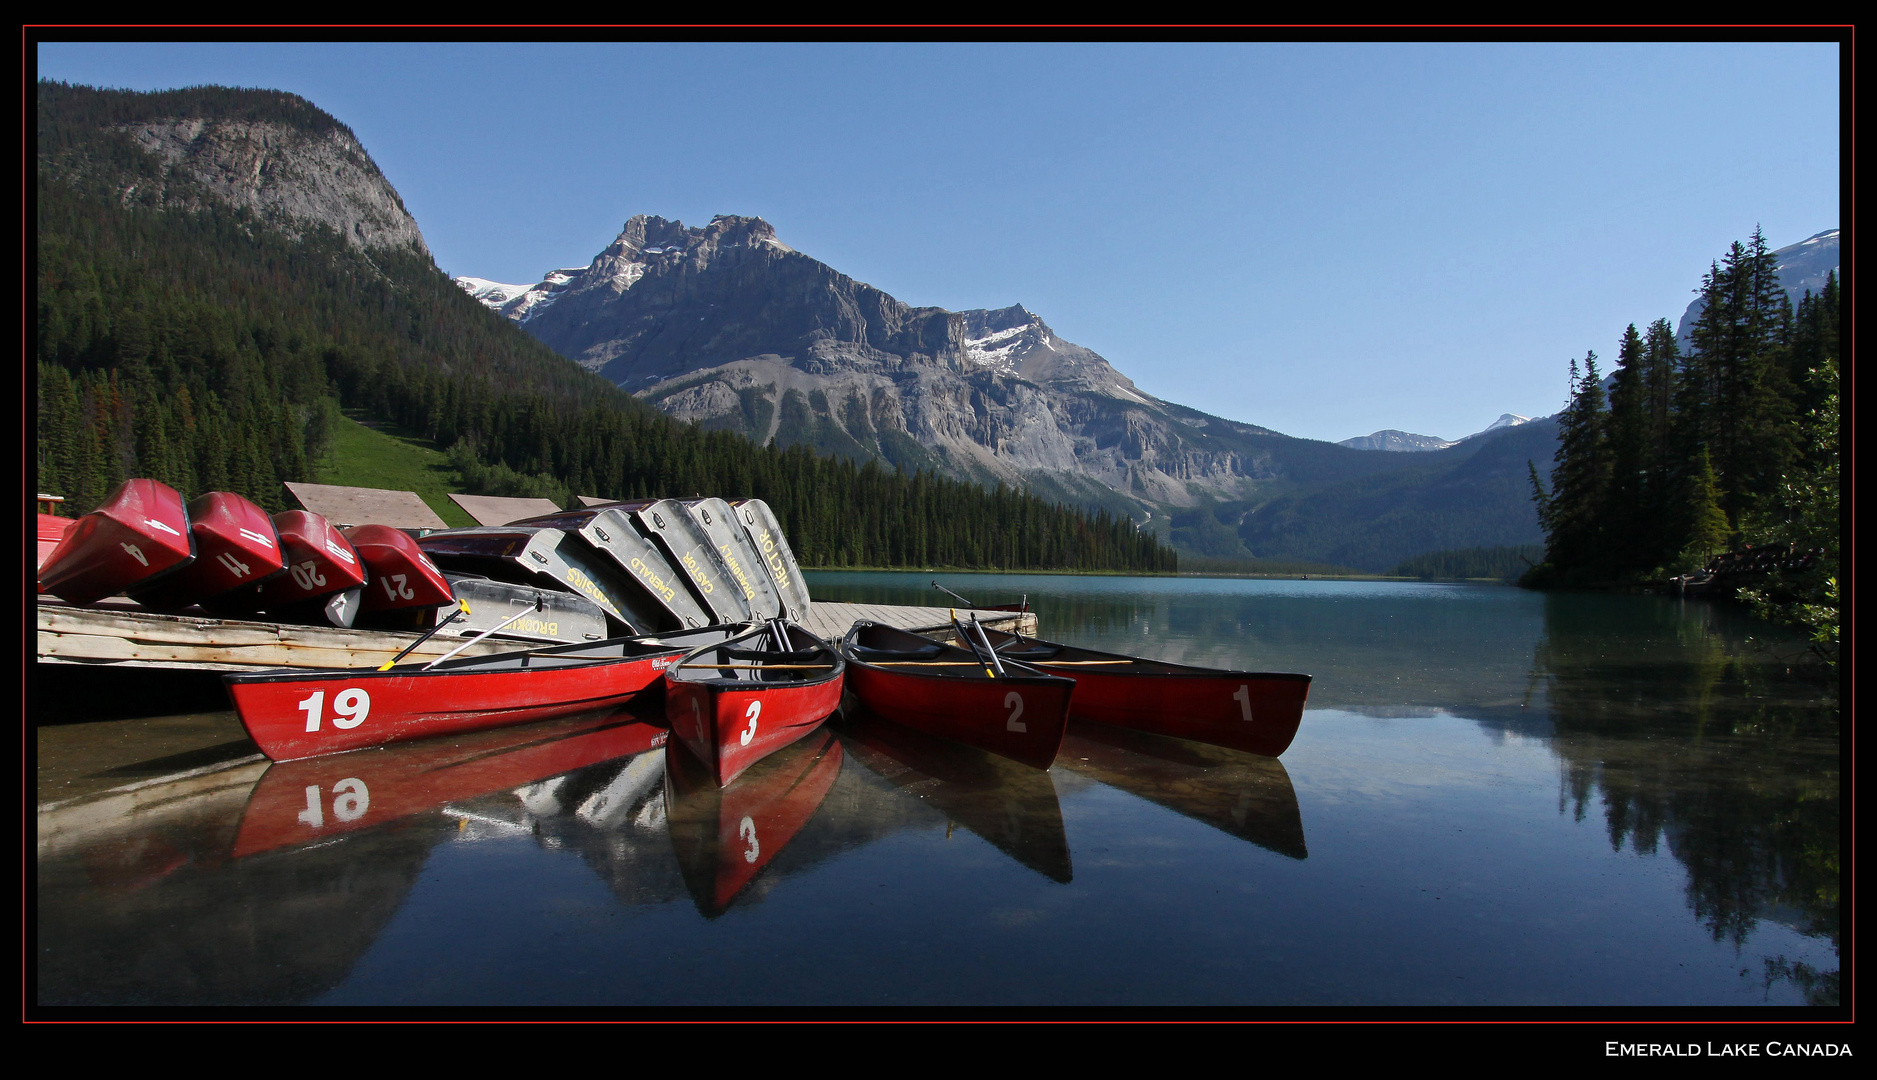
(1580, 479)
(1706, 528)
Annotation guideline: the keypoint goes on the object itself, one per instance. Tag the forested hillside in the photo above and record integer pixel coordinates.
(1732, 444)
(194, 339)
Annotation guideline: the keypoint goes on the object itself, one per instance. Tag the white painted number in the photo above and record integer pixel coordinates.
(306, 575)
(1243, 697)
(135, 553)
(747, 830)
(311, 707)
(755, 709)
(1014, 702)
(350, 800)
(354, 704)
(235, 566)
(397, 591)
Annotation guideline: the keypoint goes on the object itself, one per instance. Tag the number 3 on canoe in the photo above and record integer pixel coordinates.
(755, 709)
(1014, 702)
(1243, 697)
(353, 704)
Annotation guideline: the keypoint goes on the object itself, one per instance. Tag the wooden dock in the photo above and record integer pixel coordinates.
(120, 634)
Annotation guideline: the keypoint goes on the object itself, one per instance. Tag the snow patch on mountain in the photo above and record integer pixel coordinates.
(996, 348)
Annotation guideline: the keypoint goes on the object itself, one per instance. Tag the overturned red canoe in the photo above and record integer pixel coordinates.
(320, 562)
(300, 713)
(52, 529)
(945, 690)
(1255, 711)
(736, 702)
(140, 531)
(236, 546)
(398, 574)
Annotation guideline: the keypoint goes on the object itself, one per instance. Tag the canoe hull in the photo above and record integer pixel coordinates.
(237, 547)
(305, 714)
(1257, 712)
(140, 531)
(732, 707)
(729, 727)
(51, 530)
(1021, 717)
(398, 573)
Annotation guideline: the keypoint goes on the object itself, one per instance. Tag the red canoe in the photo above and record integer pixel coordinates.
(140, 531)
(301, 802)
(944, 690)
(52, 529)
(236, 545)
(736, 702)
(725, 836)
(320, 562)
(1255, 711)
(398, 573)
(304, 713)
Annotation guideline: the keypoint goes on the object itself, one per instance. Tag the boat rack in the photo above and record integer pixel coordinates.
(118, 633)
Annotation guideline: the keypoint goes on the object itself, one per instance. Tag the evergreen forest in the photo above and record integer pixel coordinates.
(1729, 445)
(184, 339)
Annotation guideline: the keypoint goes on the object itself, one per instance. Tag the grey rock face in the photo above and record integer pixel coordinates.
(284, 175)
(727, 326)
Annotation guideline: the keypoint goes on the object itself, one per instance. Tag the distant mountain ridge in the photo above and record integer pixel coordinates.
(726, 326)
(1407, 442)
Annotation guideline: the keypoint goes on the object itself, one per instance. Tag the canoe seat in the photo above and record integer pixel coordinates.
(923, 652)
(1034, 652)
(767, 656)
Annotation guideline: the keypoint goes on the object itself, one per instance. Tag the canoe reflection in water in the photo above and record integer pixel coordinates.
(725, 836)
(1011, 806)
(1243, 794)
(317, 799)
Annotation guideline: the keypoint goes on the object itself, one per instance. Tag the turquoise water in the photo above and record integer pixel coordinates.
(1496, 798)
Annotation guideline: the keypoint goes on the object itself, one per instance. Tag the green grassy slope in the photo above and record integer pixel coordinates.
(385, 457)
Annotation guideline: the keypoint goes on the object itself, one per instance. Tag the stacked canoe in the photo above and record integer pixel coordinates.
(585, 575)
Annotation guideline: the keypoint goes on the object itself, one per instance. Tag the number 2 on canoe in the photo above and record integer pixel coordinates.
(354, 704)
(1014, 702)
(1243, 697)
(755, 709)
(399, 590)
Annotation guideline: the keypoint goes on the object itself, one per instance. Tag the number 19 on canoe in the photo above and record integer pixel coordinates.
(350, 707)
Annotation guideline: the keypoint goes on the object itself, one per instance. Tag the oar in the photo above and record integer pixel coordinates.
(984, 639)
(966, 638)
(462, 609)
(539, 602)
(954, 595)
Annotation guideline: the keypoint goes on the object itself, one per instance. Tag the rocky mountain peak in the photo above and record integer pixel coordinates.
(290, 174)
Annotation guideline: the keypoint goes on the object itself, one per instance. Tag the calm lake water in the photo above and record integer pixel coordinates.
(1496, 798)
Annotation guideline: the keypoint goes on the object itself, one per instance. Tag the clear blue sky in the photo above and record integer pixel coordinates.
(1325, 239)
